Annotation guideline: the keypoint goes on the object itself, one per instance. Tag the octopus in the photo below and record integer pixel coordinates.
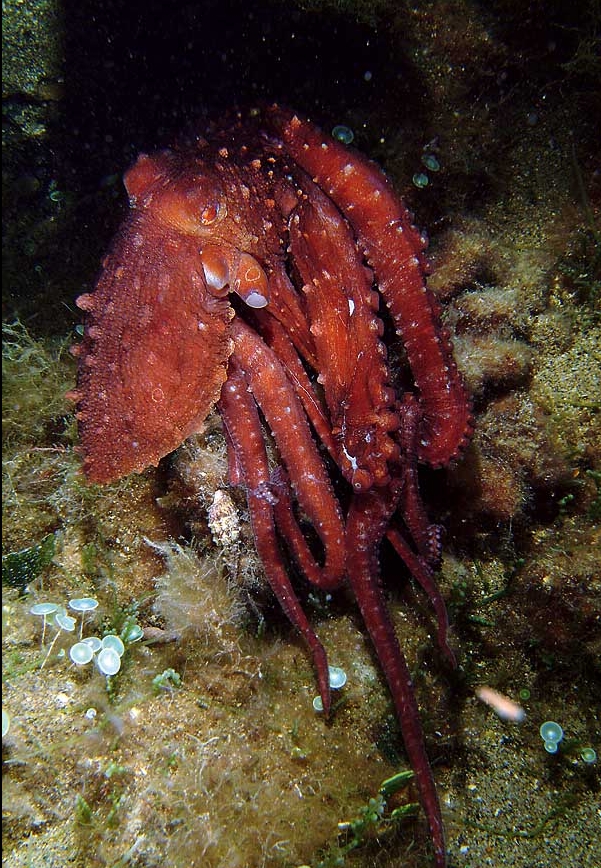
(265, 269)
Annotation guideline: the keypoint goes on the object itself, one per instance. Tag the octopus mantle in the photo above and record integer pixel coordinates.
(259, 269)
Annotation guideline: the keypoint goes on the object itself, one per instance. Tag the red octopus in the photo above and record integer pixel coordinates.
(319, 252)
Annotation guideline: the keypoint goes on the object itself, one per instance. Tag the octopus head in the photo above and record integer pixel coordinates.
(191, 204)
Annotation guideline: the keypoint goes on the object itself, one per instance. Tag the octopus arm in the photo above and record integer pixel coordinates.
(241, 419)
(154, 354)
(287, 421)
(286, 306)
(277, 339)
(394, 249)
(350, 355)
(423, 575)
(425, 535)
(290, 531)
(368, 518)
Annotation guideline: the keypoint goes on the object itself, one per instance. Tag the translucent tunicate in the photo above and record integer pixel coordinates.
(81, 653)
(108, 661)
(430, 162)
(44, 609)
(114, 642)
(83, 604)
(337, 677)
(318, 704)
(588, 754)
(551, 731)
(551, 746)
(420, 179)
(343, 134)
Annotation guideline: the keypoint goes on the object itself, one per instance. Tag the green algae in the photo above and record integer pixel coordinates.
(22, 567)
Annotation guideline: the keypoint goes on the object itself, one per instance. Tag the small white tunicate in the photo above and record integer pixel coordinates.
(94, 642)
(108, 661)
(65, 622)
(114, 642)
(83, 604)
(81, 653)
(43, 609)
(337, 677)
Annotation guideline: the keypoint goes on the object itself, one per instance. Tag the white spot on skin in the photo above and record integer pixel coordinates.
(351, 306)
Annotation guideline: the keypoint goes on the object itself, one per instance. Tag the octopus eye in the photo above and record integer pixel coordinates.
(210, 214)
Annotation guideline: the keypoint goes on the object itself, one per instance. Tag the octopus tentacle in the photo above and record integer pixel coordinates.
(241, 419)
(366, 524)
(425, 535)
(394, 249)
(286, 307)
(233, 270)
(423, 575)
(286, 418)
(342, 310)
(277, 339)
(295, 540)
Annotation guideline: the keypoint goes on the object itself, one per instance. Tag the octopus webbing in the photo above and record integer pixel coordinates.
(259, 271)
